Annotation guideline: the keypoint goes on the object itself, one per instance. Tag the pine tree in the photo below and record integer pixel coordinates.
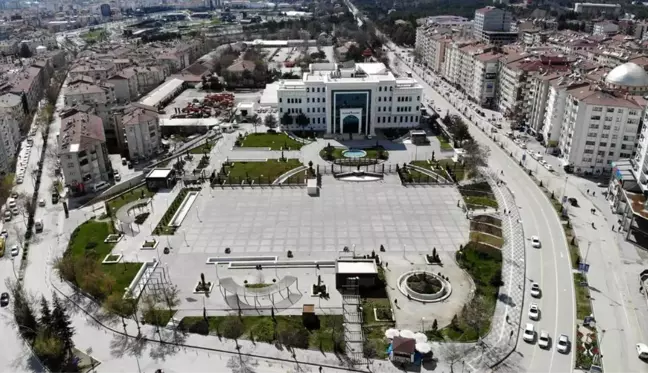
(23, 313)
(61, 324)
(45, 319)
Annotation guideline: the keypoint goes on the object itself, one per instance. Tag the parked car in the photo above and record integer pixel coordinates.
(7, 215)
(543, 340)
(15, 250)
(4, 299)
(529, 333)
(534, 312)
(572, 201)
(535, 290)
(41, 202)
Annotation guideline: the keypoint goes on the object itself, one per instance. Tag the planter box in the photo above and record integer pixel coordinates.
(113, 238)
(211, 287)
(112, 261)
(155, 245)
(375, 312)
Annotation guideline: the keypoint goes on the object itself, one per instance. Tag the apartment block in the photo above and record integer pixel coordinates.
(85, 92)
(484, 85)
(599, 127)
(142, 130)
(125, 83)
(82, 150)
(9, 143)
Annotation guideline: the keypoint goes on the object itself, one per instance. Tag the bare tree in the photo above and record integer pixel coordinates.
(475, 156)
(453, 353)
(169, 295)
(241, 364)
(477, 315)
(20, 235)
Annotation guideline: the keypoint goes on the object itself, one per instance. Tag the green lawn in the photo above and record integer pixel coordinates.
(481, 201)
(138, 193)
(485, 267)
(159, 317)
(262, 328)
(93, 35)
(444, 144)
(583, 306)
(456, 168)
(487, 238)
(88, 241)
(274, 141)
(265, 171)
(203, 148)
(375, 330)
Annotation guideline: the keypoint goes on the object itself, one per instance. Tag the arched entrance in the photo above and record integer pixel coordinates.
(351, 124)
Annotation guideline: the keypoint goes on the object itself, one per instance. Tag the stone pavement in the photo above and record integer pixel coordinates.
(502, 339)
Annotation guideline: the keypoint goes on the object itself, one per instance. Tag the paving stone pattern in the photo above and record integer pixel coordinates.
(504, 335)
(274, 220)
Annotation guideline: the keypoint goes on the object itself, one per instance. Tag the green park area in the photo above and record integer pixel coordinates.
(257, 172)
(142, 192)
(478, 195)
(94, 35)
(484, 265)
(274, 141)
(81, 264)
(318, 332)
(444, 143)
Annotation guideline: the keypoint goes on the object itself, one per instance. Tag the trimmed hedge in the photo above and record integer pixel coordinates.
(163, 227)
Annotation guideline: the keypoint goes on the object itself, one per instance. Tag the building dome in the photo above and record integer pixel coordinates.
(628, 75)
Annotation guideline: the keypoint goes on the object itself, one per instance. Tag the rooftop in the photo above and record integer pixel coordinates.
(79, 131)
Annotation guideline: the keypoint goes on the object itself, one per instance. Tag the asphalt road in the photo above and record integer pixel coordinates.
(549, 266)
(613, 270)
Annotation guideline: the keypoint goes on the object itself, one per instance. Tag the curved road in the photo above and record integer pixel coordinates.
(549, 266)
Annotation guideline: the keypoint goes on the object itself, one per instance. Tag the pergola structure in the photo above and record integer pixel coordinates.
(228, 285)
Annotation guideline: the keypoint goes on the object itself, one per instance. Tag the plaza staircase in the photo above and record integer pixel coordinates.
(352, 314)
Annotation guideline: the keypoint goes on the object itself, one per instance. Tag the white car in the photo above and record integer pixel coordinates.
(41, 202)
(19, 180)
(529, 333)
(14, 211)
(534, 312)
(535, 241)
(14, 250)
(543, 340)
(563, 344)
(549, 167)
(535, 290)
(7, 215)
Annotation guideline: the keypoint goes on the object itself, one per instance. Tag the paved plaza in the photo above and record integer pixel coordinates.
(275, 220)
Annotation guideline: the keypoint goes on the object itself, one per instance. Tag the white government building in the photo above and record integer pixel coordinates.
(357, 100)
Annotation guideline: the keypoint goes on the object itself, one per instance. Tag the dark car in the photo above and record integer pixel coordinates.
(4, 299)
(573, 201)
